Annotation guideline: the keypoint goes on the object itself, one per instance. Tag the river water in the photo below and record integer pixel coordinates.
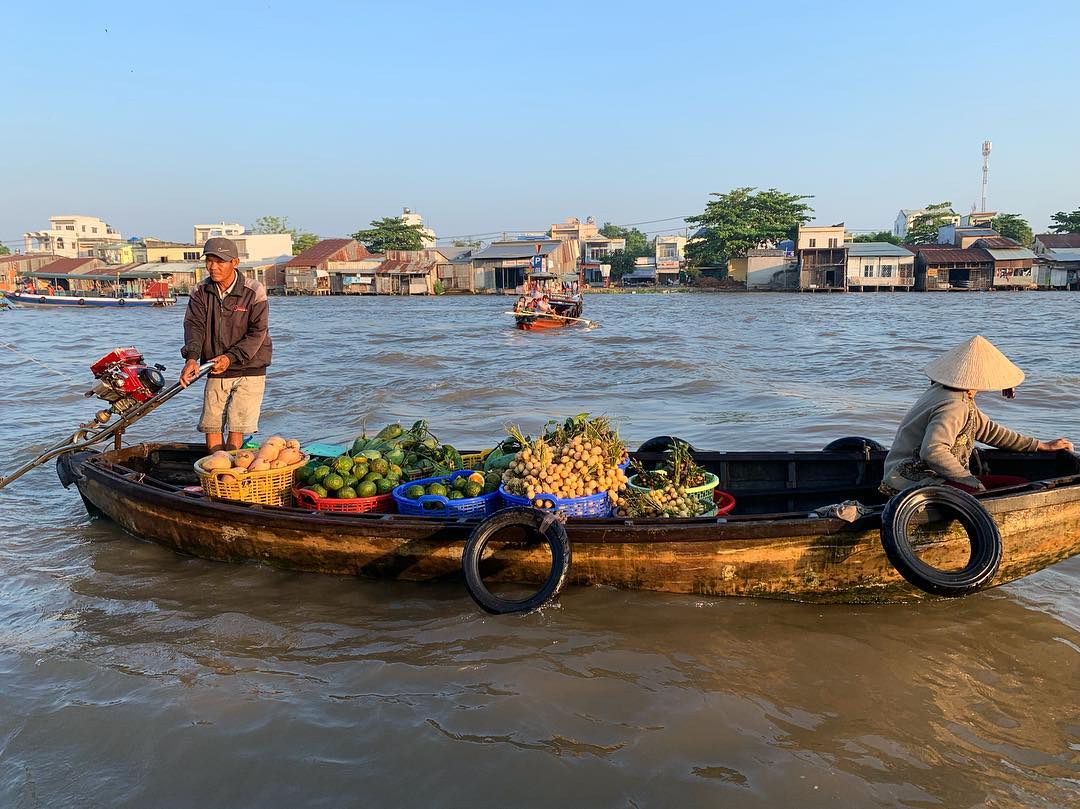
(133, 676)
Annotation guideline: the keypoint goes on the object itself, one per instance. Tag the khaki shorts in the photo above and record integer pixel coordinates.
(232, 405)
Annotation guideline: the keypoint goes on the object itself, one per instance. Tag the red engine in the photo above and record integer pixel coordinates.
(124, 380)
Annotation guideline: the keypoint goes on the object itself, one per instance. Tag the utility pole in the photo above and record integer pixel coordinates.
(986, 170)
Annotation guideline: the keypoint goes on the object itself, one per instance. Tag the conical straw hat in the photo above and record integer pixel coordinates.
(975, 364)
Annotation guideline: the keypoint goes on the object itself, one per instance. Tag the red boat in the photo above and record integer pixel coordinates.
(565, 308)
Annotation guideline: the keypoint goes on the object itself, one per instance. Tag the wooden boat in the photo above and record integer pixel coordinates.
(775, 544)
(567, 312)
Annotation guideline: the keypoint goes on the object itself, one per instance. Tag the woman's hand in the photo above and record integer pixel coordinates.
(1056, 444)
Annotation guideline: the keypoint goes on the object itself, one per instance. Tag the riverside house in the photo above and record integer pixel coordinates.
(502, 266)
(765, 269)
(309, 272)
(822, 258)
(408, 272)
(942, 267)
(1058, 260)
(17, 266)
(880, 267)
(1012, 263)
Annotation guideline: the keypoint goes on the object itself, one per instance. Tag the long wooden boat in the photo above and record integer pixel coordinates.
(76, 301)
(775, 544)
(568, 310)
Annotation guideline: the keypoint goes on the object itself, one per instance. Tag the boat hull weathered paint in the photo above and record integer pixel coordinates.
(787, 556)
(74, 302)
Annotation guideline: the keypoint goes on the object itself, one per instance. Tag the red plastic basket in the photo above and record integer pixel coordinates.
(382, 503)
(724, 502)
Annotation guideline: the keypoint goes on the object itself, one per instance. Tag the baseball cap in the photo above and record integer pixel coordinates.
(221, 247)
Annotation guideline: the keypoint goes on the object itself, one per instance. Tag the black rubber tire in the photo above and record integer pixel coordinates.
(983, 532)
(43, 299)
(119, 301)
(530, 518)
(82, 302)
(662, 443)
(853, 443)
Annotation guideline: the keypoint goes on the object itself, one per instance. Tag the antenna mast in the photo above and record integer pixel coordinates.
(986, 170)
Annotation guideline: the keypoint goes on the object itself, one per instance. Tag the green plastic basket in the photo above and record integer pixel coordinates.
(704, 492)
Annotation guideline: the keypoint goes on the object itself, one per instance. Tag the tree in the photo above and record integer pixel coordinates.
(924, 227)
(880, 236)
(742, 220)
(637, 246)
(273, 224)
(391, 233)
(5, 250)
(1015, 227)
(1065, 222)
(302, 241)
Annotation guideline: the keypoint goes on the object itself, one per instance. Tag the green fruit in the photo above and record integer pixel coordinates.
(321, 472)
(343, 464)
(430, 443)
(380, 465)
(390, 431)
(359, 445)
(414, 492)
(351, 481)
(371, 454)
(382, 485)
(395, 456)
(366, 489)
(345, 493)
(460, 482)
(436, 488)
(372, 477)
(303, 475)
(320, 491)
(395, 468)
(456, 495)
(392, 475)
(473, 489)
(333, 482)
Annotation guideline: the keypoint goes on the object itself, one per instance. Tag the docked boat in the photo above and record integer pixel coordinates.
(111, 287)
(76, 300)
(794, 534)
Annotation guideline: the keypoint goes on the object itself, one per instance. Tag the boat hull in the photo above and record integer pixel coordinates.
(537, 322)
(53, 301)
(793, 557)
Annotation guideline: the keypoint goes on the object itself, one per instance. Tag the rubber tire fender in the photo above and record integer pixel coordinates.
(119, 301)
(549, 531)
(82, 302)
(986, 547)
(853, 443)
(43, 299)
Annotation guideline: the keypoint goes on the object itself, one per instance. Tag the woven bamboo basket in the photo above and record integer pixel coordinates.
(272, 487)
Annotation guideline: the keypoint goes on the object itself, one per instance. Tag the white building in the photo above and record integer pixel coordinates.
(427, 235)
(907, 216)
(227, 229)
(262, 246)
(71, 236)
(670, 257)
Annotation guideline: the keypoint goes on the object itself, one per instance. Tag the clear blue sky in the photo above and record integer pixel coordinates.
(491, 116)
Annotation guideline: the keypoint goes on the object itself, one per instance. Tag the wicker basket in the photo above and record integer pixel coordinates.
(270, 488)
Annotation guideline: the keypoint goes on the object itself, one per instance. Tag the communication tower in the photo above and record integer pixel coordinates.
(987, 145)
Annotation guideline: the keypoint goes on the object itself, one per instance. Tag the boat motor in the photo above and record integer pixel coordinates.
(124, 380)
(132, 390)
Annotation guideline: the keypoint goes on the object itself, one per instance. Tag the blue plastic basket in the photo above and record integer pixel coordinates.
(435, 505)
(595, 505)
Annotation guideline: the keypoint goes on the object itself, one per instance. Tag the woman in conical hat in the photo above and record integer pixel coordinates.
(936, 437)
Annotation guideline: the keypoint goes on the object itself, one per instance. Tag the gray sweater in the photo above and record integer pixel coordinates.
(937, 435)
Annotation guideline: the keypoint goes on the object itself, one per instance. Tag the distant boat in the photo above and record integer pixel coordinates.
(566, 308)
(75, 300)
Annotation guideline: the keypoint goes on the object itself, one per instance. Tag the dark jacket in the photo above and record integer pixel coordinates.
(236, 326)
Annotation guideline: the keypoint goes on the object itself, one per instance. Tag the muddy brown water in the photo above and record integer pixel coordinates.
(133, 676)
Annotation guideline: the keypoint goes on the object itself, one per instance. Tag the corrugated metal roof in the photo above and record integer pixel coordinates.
(62, 266)
(1062, 255)
(1001, 242)
(518, 250)
(1013, 254)
(877, 249)
(943, 254)
(318, 253)
(1059, 239)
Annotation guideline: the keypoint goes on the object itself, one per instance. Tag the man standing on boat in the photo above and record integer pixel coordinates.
(227, 323)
